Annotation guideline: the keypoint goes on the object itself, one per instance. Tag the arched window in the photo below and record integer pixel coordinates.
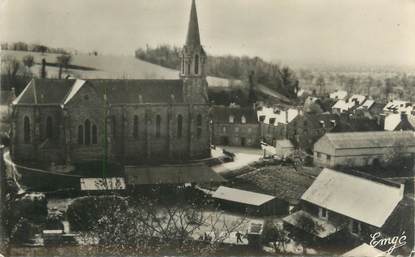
(179, 125)
(49, 127)
(80, 134)
(188, 67)
(182, 65)
(87, 132)
(135, 127)
(26, 132)
(196, 64)
(94, 135)
(158, 126)
(199, 125)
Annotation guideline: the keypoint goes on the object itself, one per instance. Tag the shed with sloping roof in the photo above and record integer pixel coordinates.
(248, 202)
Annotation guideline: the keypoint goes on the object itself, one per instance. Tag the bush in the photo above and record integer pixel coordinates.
(84, 212)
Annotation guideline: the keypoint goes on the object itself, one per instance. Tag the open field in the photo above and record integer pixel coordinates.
(108, 67)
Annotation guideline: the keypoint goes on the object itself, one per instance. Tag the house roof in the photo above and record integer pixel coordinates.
(340, 94)
(371, 139)
(45, 91)
(282, 182)
(284, 143)
(119, 91)
(367, 104)
(343, 105)
(171, 174)
(325, 227)
(364, 250)
(220, 114)
(100, 184)
(241, 196)
(279, 116)
(352, 196)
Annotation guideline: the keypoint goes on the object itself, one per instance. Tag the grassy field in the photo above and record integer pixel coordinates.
(110, 67)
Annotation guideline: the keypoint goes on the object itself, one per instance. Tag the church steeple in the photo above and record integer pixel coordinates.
(193, 37)
(193, 57)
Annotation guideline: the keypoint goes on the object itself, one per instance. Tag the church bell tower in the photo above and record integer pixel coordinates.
(193, 62)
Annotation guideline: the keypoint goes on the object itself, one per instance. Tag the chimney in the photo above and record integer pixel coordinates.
(401, 190)
(286, 116)
(404, 116)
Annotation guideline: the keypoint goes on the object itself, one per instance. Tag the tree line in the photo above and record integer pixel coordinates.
(277, 77)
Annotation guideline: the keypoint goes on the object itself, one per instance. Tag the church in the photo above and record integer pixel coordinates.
(127, 121)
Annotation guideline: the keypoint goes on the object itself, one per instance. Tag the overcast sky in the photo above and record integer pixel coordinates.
(378, 32)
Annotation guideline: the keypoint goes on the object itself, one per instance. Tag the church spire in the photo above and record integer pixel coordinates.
(193, 37)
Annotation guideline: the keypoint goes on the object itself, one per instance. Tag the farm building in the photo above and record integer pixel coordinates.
(362, 148)
(338, 202)
(248, 202)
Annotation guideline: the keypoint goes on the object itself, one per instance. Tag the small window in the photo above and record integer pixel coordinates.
(158, 126)
(199, 126)
(26, 131)
(355, 227)
(87, 132)
(224, 129)
(328, 157)
(196, 64)
(94, 135)
(323, 213)
(231, 119)
(243, 119)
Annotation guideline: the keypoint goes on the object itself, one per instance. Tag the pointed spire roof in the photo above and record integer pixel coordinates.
(193, 37)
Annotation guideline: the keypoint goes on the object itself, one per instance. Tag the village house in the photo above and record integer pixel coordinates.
(274, 122)
(336, 206)
(399, 121)
(338, 95)
(235, 126)
(305, 130)
(398, 106)
(130, 121)
(353, 102)
(362, 148)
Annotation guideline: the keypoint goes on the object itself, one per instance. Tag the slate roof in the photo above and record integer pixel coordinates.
(45, 91)
(220, 114)
(241, 196)
(60, 91)
(372, 139)
(171, 174)
(151, 90)
(352, 195)
(282, 182)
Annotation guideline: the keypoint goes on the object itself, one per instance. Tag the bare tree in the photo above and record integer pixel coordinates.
(63, 60)
(11, 67)
(148, 226)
